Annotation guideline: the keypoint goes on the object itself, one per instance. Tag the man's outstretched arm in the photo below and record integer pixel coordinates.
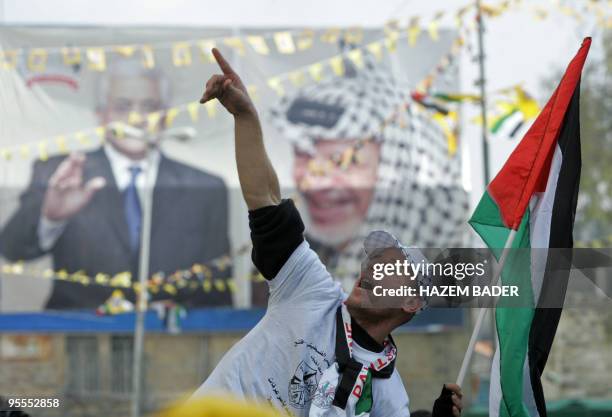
(258, 180)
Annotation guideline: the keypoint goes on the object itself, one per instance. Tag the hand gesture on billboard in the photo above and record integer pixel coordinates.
(66, 194)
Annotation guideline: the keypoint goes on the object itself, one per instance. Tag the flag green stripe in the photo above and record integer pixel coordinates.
(513, 323)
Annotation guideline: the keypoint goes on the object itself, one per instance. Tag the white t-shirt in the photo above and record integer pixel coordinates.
(282, 358)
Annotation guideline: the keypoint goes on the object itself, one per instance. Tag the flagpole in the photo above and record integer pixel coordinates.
(143, 294)
(467, 358)
(483, 94)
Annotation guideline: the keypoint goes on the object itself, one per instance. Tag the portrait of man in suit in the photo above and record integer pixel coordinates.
(85, 210)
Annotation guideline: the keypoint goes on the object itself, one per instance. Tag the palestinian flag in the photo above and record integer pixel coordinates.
(535, 195)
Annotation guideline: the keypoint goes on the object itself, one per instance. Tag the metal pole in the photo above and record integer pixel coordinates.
(483, 94)
(143, 294)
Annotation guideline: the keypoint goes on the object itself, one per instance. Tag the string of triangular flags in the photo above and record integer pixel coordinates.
(185, 52)
(314, 72)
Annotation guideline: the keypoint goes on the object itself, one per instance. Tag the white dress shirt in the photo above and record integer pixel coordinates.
(49, 231)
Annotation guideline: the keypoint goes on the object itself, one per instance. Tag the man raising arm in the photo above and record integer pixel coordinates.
(317, 351)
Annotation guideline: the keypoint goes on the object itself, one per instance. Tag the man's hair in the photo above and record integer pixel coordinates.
(131, 67)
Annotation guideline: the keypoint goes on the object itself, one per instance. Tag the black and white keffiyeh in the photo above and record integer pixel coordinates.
(419, 196)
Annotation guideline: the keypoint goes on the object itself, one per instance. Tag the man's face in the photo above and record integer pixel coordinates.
(362, 299)
(337, 196)
(136, 95)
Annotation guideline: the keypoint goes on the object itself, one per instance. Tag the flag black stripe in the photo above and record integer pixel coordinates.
(546, 318)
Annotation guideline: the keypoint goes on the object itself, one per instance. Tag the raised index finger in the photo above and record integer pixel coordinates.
(223, 64)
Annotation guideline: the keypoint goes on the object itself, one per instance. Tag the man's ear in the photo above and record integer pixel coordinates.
(412, 304)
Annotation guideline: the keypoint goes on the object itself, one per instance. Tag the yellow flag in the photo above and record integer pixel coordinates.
(148, 58)
(6, 154)
(433, 26)
(8, 59)
(236, 44)
(205, 46)
(37, 60)
(181, 54)
(356, 57)
(275, 84)
(258, 43)
(24, 150)
(192, 109)
(134, 118)
(96, 58)
(353, 35)
(391, 41)
(284, 42)
(331, 35)
(252, 91)
(43, 155)
(211, 108)
(375, 48)
(125, 50)
(337, 65)
(82, 138)
(71, 56)
(305, 39)
(414, 29)
(153, 121)
(316, 71)
(171, 114)
(101, 132)
(60, 141)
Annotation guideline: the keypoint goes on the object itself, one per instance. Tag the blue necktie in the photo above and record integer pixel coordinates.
(131, 205)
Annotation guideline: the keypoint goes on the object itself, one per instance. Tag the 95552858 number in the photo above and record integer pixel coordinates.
(33, 402)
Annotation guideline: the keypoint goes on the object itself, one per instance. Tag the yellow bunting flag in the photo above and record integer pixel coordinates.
(60, 141)
(316, 71)
(284, 42)
(122, 279)
(451, 138)
(82, 138)
(171, 114)
(181, 54)
(275, 84)
(375, 48)
(391, 41)
(205, 46)
(101, 132)
(153, 121)
(252, 91)
(71, 56)
(37, 60)
(211, 108)
(24, 150)
(305, 39)
(258, 43)
(356, 57)
(43, 155)
(8, 59)
(134, 118)
(353, 35)
(6, 154)
(297, 78)
(331, 35)
(236, 44)
(337, 65)
(125, 50)
(96, 58)
(148, 58)
(192, 109)
(414, 29)
(434, 25)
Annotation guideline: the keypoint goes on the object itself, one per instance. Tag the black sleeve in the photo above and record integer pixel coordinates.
(276, 231)
(19, 237)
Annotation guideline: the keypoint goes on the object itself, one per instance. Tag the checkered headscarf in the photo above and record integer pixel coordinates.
(419, 196)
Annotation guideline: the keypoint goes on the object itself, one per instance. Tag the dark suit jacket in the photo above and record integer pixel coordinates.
(189, 225)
